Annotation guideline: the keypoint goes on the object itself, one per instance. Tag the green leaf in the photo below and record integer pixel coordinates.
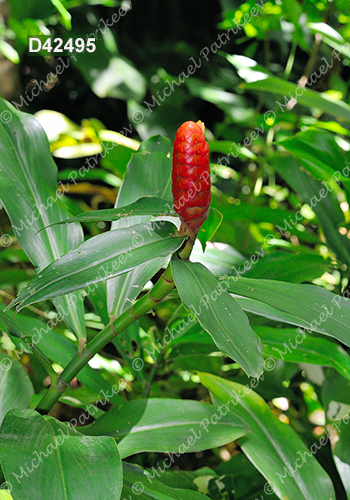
(99, 258)
(131, 285)
(167, 425)
(16, 389)
(196, 356)
(322, 201)
(143, 484)
(28, 191)
(318, 152)
(219, 314)
(309, 306)
(37, 453)
(283, 266)
(330, 36)
(66, 16)
(296, 347)
(259, 79)
(56, 348)
(148, 174)
(210, 226)
(149, 205)
(272, 447)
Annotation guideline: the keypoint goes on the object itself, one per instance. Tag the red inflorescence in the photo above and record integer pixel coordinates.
(191, 175)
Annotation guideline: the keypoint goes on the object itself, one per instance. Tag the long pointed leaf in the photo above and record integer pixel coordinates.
(259, 79)
(288, 344)
(273, 447)
(148, 174)
(28, 191)
(102, 257)
(219, 314)
(167, 425)
(310, 306)
(57, 349)
(148, 205)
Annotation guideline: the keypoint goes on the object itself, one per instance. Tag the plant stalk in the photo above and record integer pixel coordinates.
(163, 286)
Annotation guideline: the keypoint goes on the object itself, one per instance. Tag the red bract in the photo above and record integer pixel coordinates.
(191, 176)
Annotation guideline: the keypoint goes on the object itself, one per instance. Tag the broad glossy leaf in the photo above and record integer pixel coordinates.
(313, 307)
(261, 309)
(101, 257)
(322, 201)
(167, 425)
(219, 314)
(28, 191)
(16, 389)
(186, 478)
(273, 447)
(291, 345)
(137, 483)
(37, 453)
(149, 205)
(148, 174)
(318, 152)
(56, 348)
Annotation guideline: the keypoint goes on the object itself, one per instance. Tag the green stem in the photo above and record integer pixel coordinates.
(290, 61)
(163, 286)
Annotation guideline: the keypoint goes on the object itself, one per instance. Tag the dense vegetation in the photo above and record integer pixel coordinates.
(126, 370)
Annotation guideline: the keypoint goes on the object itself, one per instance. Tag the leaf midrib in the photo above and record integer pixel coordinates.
(276, 447)
(73, 273)
(212, 310)
(55, 251)
(294, 300)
